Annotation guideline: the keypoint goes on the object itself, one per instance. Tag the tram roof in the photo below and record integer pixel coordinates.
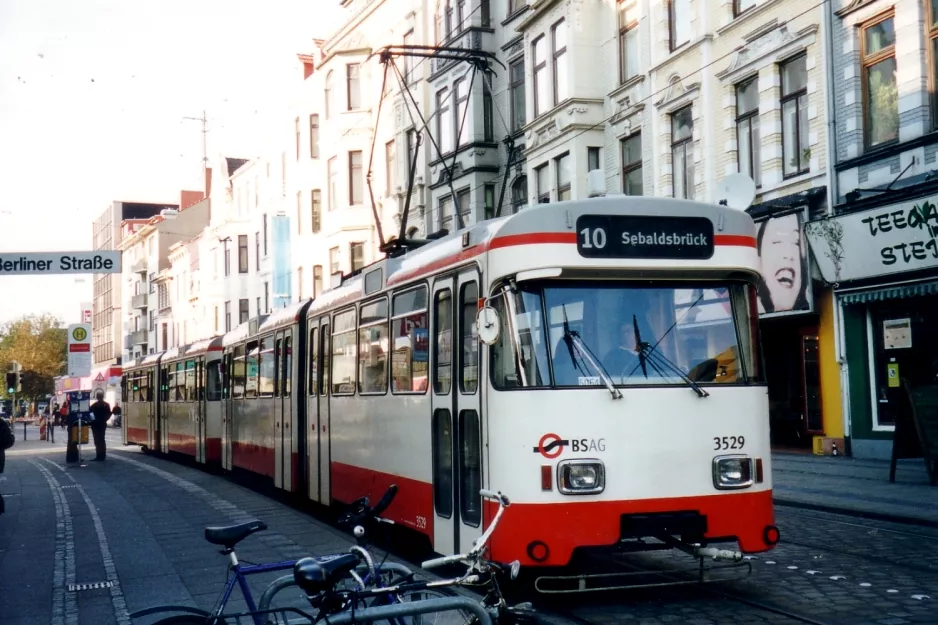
(284, 317)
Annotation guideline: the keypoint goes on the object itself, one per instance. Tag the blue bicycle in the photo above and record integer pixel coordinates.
(365, 575)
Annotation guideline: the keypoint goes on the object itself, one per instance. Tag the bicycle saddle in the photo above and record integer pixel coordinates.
(230, 535)
(314, 576)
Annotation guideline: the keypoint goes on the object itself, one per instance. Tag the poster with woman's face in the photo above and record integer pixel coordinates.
(786, 281)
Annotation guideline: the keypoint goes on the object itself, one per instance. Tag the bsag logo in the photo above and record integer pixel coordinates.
(551, 445)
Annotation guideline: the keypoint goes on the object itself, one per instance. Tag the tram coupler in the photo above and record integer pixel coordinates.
(696, 550)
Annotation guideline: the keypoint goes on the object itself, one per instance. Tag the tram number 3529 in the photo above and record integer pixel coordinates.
(728, 442)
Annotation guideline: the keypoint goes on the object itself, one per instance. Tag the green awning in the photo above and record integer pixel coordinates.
(890, 292)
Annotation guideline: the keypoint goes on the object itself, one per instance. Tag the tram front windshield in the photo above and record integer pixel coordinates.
(641, 333)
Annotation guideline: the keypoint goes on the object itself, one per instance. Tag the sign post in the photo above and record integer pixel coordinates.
(79, 350)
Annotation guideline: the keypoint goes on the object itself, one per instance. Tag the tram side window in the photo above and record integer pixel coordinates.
(287, 365)
(200, 379)
(238, 373)
(443, 463)
(146, 387)
(250, 366)
(213, 381)
(191, 393)
(266, 368)
(180, 381)
(312, 385)
(124, 389)
(469, 344)
(343, 353)
(470, 467)
(410, 334)
(326, 351)
(373, 348)
(527, 367)
(164, 383)
(443, 342)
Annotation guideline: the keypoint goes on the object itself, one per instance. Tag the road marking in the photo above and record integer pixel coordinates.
(117, 595)
(64, 605)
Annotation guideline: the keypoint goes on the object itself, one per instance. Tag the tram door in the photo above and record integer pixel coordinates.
(200, 411)
(227, 411)
(154, 389)
(162, 424)
(455, 421)
(317, 441)
(284, 460)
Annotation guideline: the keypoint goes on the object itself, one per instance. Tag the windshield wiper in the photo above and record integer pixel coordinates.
(576, 346)
(648, 356)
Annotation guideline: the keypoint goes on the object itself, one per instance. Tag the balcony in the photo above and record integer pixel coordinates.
(139, 337)
(140, 266)
(139, 301)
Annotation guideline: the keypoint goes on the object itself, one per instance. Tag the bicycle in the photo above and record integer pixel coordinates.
(364, 575)
(319, 580)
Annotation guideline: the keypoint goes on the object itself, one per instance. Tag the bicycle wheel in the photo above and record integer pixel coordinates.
(188, 619)
(450, 617)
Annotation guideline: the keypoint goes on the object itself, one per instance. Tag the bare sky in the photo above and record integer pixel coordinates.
(92, 96)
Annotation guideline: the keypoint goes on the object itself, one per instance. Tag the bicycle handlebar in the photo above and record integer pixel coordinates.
(469, 558)
(365, 513)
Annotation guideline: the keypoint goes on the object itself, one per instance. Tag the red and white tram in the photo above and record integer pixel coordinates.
(596, 360)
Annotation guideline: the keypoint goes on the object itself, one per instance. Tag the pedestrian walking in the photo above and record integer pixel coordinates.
(50, 427)
(6, 441)
(101, 411)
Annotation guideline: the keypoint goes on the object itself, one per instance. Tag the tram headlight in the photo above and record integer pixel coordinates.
(733, 472)
(581, 477)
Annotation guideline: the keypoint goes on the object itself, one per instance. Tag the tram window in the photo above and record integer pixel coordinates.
(443, 342)
(469, 343)
(344, 346)
(373, 348)
(470, 468)
(278, 359)
(410, 334)
(287, 365)
(146, 387)
(180, 382)
(123, 389)
(324, 349)
(200, 379)
(250, 369)
(191, 393)
(238, 373)
(213, 381)
(312, 384)
(442, 463)
(266, 368)
(511, 367)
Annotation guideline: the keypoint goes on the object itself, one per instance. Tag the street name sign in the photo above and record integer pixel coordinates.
(79, 350)
(49, 263)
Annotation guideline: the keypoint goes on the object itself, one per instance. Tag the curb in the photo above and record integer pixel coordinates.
(864, 514)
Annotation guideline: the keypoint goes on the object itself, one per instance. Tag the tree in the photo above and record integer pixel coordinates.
(38, 344)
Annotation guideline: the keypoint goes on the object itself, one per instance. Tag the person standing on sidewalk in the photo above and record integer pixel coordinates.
(6, 441)
(102, 412)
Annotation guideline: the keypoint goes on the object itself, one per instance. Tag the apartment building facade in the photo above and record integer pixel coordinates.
(877, 248)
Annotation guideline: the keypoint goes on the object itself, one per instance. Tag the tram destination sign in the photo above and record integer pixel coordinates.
(48, 263)
(644, 236)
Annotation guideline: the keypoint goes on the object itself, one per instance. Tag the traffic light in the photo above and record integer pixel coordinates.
(19, 382)
(12, 380)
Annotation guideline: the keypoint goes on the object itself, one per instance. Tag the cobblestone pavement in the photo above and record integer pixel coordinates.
(129, 533)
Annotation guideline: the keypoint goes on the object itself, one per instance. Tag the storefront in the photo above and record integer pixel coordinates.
(882, 259)
(797, 327)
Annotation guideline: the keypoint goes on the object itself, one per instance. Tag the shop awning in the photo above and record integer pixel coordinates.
(897, 291)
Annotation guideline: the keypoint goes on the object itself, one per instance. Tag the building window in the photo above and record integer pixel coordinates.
(543, 184)
(243, 312)
(299, 284)
(741, 6)
(357, 255)
(446, 213)
(264, 230)
(795, 153)
(516, 88)
(411, 149)
(227, 319)
(328, 91)
(355, 195)
(266, 296)
(260, 311)
(299, 212)
(353, 88)
(679, 14)
(257, 250)
(334, 260)
(460, 15)
(516, 5)
(593, 161)
(462, 205)
(215, 326)
(317, 280)
(747, 129)
(462, 106)
(632, 164)
(332, 171)
(314, 136)
(315, 210)
(563, 165)
(880, 92)
(488, 122)
(682, 153)
(561, 78)
(519, 194)
(296, 127)
(540, 79)
(489, 200)
(390, 172)
(628, 40)
(932, 18)
(408, 61)
(444, 121)
(227, 253)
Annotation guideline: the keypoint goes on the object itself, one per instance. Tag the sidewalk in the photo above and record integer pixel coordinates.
(858, 487)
